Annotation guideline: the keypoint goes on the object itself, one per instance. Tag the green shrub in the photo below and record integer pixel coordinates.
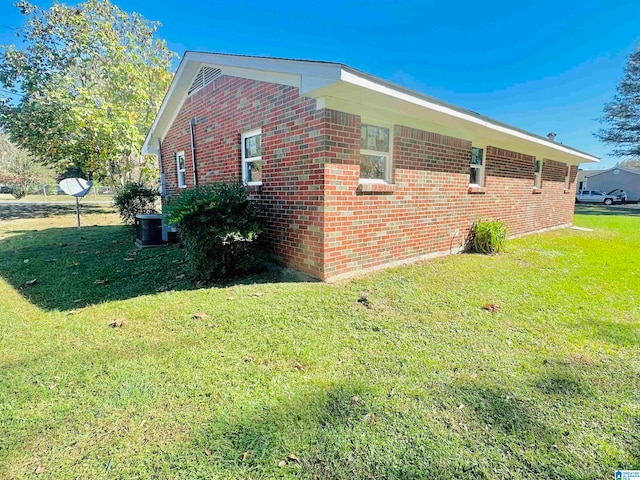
(133, 199)
(220, 227)
(487, 236)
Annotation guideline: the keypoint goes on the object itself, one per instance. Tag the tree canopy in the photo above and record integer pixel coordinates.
(87, 83)
(622, 115)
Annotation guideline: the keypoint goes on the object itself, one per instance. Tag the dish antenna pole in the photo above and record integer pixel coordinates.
(76, 187)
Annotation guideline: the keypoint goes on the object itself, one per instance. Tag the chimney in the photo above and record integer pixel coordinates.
(552, 136)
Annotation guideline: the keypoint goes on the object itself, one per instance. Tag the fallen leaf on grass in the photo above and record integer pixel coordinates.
(256, 294)
(72, 312)
(248, 358)
(213, 325)
(230, 298)
(355, 400)
(75, 264)
(200, 283)
(369, 418)
(129, 259)
(180, 277)
(77, 300)
(207, 452)
(364, 300)
(298, 366)
(491, 307)
(199, 316)
(118, 322)
(294, 457)
(461, 406)
(29, 283)
(281, 463)
(26, 260)
(39, 469)
(245, 455)
(101, 281)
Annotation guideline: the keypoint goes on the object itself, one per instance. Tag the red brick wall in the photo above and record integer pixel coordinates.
(292, 143)
(429, 209)
(320, 220)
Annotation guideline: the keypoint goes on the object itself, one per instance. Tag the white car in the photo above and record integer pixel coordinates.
(595, 196)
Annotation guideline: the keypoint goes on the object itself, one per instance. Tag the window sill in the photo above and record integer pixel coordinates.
(375, 188)
(476, 190)
(254, 188)
(536, 191)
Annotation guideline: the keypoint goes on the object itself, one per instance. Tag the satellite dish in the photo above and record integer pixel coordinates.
(76, 187)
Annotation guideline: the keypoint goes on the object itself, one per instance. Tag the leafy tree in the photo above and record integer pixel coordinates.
(631, 164)
(19, 170)
(622, 115)
(89, 80)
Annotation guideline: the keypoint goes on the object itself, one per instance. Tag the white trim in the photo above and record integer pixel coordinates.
(388, 164)
(183, 170)
(366, 83)
(481, 168)
(246, 161)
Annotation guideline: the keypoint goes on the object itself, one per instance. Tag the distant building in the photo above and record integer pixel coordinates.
(611, 180)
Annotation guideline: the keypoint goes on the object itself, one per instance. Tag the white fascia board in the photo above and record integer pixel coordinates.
(354, 79)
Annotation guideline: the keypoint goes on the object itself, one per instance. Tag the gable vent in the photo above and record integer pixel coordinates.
(205, 76)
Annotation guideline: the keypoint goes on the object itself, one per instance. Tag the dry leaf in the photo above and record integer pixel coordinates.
(230, 298)
(355, 400)
(72, 312)
(129, 259)
(77, 300)
(118, 322)
(199, 316)
(256, 294)
(294, 457)
(26, 260)
(180, 277)
(369, 418)
(207, 452)
(75, 264)
(461, 406)
(249, 358)
(213, 325)
(281, 463)
(245, 455)
(101, 281)
(39, 469)
(298, 366)
(491, 307)
(28, 283)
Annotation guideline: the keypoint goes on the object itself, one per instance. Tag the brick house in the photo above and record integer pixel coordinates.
(355, 173)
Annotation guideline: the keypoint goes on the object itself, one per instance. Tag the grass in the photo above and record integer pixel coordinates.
(91, 197)
(401, 374)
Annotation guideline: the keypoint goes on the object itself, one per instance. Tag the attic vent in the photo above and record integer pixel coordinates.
(205, 76)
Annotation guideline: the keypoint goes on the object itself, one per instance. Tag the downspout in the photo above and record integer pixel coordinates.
(163, 180)
(192, 125)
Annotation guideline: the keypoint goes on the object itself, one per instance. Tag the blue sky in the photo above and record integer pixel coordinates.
(539, 65)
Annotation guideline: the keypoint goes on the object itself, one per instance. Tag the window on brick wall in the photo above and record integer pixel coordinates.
(181, 170)
(537, 174)
(252, 157)
(375, 154)
(476, 174)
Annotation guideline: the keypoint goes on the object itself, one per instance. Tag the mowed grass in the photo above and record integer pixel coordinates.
(284, 379)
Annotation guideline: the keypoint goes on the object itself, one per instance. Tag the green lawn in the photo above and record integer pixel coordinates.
(286, 379)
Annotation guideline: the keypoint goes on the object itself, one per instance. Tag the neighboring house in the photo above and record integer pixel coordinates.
(613, 180)
(581, 178)
(355, 173)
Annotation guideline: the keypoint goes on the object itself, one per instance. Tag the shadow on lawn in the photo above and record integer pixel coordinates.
(98, 264)
(24, 210)
(348, 433)
(624, 210)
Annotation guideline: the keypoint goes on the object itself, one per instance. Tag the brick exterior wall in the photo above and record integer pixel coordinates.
(321, 220)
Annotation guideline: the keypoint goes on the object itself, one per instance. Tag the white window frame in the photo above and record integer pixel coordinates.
(567, 178)
(388, 156)
(479, 168)
(181, 171)
(537, 174)
(245, 160)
